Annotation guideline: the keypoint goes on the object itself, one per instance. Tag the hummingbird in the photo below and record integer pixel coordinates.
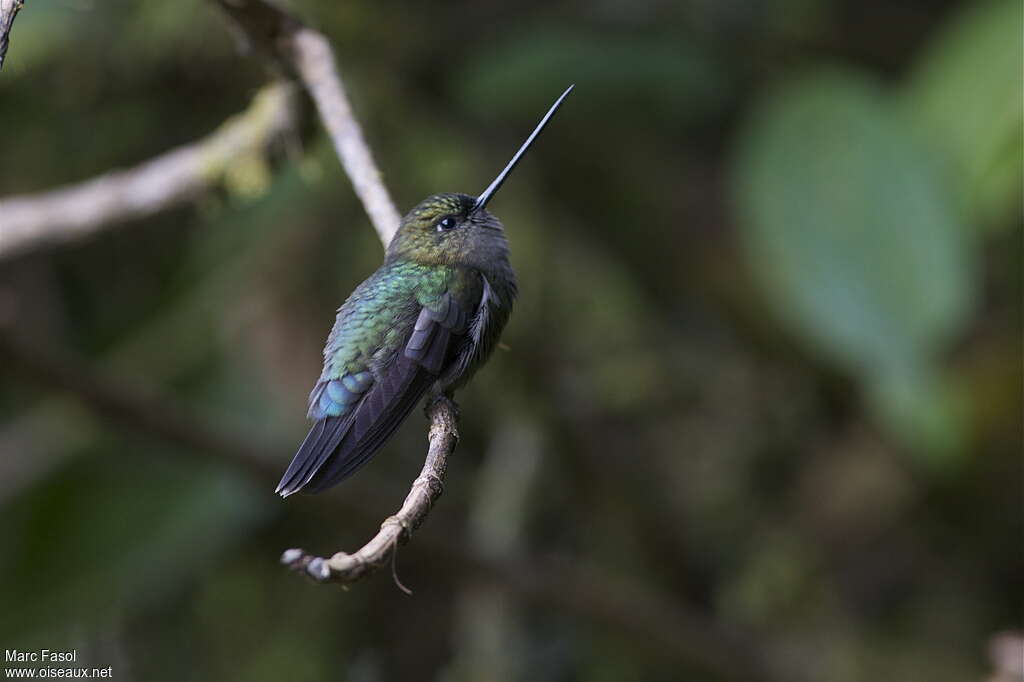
(422, 324)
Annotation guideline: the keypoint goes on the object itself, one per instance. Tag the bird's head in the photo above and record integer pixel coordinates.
(457, 229)
(449, 229)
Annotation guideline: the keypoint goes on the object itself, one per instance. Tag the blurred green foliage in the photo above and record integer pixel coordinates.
(766, 364)
(965, 97)
(858, 243)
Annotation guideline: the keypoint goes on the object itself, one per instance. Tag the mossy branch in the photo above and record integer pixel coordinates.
(8, 11)
(77, 211)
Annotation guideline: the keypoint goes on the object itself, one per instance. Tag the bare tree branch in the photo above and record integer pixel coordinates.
(346, 568)
(177, 176)
(308, 54)
(8, 11)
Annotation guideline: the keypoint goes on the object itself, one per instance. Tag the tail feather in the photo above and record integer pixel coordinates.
(386, 409)
(323, 438)
(336, 447)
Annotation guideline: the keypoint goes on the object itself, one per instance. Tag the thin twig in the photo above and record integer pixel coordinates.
(347, 568)
(76, 211)
(8, 11)
(308, 54)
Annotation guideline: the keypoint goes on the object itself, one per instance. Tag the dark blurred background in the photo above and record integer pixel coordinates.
(760, 412)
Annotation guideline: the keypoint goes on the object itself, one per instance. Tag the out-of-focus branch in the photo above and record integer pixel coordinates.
(133, 406)
(490, 627)
(1006, 655)
(308, 55)
(188, 319)
(8, 11)
(673, 632)
(170, 179)
(347, 568)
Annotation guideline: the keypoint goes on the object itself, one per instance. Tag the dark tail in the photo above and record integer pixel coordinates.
(337, 447)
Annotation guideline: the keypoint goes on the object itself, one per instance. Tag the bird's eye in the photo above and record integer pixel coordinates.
(445, 224)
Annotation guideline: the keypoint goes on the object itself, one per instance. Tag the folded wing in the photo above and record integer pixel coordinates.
(358, 412)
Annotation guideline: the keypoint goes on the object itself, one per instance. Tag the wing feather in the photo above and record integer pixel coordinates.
(371, 410)
(388, 404)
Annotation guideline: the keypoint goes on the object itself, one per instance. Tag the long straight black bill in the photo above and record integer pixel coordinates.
(496, 185)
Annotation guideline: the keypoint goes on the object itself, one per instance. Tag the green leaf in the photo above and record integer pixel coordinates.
(855, 241)
(966, 97)
(926, 410)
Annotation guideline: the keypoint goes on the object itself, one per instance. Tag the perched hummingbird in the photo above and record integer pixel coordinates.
(425, 321)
